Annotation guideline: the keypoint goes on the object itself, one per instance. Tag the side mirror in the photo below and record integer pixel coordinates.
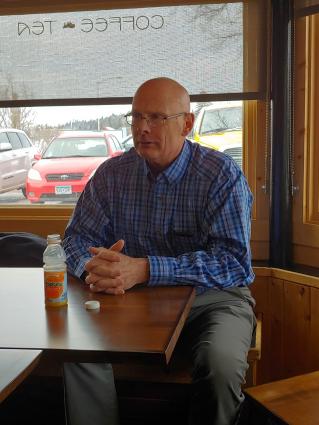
(37, 156)
(5, 146)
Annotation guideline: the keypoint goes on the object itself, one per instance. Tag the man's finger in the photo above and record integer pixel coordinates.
(104, 253)
(117, 246)
(114, 290)
(97, 272)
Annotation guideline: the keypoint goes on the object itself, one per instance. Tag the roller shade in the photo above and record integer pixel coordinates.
(16, 7)
(216, 50)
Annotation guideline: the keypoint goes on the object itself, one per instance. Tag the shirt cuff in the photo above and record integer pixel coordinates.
(80, 269)
(83, 275)
(162, 270)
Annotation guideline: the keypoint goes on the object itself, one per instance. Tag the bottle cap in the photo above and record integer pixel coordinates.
(92, 305)
(56, 238)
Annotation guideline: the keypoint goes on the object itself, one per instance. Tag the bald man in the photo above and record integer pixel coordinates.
(169, 212)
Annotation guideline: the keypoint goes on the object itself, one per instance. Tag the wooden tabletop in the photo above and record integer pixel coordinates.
(293, 400)
(15, 366)
(141, 325)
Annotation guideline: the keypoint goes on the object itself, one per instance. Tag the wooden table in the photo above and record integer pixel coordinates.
(295, 401)
(15, 366)
(143, 325)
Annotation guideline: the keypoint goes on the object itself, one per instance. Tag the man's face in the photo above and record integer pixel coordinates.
(161, 144)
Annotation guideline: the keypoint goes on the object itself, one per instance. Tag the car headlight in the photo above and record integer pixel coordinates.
(34, 174)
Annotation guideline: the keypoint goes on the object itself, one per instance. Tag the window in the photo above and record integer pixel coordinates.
(55, 58)
(25, 142)
(224, 119)
(4, 138)
(306, 149)
(14, 140)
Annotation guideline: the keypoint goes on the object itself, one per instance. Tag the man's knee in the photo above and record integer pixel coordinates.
(219, 366)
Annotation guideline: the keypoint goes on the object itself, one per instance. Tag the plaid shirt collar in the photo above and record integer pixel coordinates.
(175, 171)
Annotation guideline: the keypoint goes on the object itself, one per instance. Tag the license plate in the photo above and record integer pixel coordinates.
(63, 190)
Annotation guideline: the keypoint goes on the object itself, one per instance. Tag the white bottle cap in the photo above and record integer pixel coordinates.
(92, 305)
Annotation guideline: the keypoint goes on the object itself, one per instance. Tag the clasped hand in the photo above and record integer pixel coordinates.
(112, 272)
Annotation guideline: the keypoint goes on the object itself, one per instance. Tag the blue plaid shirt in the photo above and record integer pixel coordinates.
(192, 221)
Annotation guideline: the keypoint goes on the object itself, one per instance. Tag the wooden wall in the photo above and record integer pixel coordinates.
(289, 303)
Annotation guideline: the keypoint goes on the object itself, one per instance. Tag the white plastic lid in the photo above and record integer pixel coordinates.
(56, 238)
(92, 305)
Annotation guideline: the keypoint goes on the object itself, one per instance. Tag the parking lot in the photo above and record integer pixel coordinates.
(15, 197)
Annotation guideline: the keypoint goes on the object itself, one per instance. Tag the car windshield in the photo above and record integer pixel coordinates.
(217, 120)
(76, 147)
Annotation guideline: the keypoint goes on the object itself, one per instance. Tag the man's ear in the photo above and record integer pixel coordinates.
(188, 123)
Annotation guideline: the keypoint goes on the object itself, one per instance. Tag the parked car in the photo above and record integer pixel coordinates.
(219, 126)
(68, 163)
(127, 143)
(17, 155)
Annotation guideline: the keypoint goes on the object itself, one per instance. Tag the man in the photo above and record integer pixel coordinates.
(171, 212)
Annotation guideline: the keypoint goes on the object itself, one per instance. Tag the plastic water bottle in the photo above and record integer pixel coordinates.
(55, 275)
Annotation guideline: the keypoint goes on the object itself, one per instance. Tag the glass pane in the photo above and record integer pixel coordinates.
(14, 140)
(218, 125)
(65, 154)
(67, 145)
(4, 138)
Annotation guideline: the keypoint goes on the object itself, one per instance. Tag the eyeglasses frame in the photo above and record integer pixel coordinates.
(164, 119)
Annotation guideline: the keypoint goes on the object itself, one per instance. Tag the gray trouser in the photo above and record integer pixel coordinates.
(216, 337)
(90, 395)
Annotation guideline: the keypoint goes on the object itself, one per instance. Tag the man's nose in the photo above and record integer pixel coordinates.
(143, 125)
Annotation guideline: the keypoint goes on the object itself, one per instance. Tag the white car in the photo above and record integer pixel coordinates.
(16, 158)
(127, 143)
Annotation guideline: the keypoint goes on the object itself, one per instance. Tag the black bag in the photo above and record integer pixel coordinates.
(21, 249)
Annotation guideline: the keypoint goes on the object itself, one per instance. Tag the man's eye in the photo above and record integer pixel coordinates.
(136, 116)
(155, 117)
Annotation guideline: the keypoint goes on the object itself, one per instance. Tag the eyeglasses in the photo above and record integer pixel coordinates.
(153, 120)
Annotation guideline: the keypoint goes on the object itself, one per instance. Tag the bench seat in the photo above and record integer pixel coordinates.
(293, 401)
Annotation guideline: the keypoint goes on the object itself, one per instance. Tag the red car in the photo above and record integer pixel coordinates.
(68, 163)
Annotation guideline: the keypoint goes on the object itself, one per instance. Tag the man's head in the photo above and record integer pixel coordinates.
(159, 137)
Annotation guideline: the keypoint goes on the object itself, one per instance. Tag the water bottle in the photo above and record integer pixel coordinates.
(55, 275)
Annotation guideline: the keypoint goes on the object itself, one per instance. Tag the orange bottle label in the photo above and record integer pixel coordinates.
(55, 287)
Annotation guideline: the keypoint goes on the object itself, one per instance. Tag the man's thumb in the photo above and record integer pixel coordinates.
(117, 246)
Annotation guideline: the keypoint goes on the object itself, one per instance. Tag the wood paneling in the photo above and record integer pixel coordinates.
(41, 220)
(289, 303)
(314, 329)
(296, 325)
(260, 291)
(276, 318)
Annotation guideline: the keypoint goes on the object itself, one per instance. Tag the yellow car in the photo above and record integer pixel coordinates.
(219, 126)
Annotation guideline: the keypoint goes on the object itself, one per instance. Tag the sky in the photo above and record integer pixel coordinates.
(55, 115)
